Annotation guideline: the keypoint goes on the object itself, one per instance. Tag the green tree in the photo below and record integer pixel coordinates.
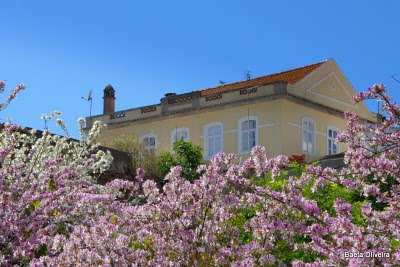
(187, 155)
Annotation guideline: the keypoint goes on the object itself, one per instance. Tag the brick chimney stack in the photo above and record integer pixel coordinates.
(109, 100)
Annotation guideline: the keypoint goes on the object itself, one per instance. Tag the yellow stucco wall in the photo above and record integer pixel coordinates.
(279, 128)
(269, 133)
(279, 120)
(293, 115)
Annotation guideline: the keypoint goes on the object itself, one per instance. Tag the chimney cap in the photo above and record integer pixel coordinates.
(109, 88)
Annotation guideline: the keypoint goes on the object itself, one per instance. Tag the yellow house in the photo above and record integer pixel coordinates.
(299, 111)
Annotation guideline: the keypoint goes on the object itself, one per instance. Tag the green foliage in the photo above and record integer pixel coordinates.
(62, 229)
(326, 196)
(41, 251)
(275, 183)
(35, 204)
(140, 156)
(282, 250)
(287, 254)
(383, 187)
(32, 207)
(297, 169)
(187, 155)
(52, 185)
(242, 216)
(394, 244)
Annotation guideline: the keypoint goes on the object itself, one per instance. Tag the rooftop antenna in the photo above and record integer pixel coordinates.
(248, 75)
(89, 99)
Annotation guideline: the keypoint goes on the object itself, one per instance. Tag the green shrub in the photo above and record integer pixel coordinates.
(187, 155)
(140, 156)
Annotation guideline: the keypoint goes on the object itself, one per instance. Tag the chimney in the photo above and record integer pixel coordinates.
(109, 100)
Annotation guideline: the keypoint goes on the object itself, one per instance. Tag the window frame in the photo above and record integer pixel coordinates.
(239, 131)
(205, 136)
(149, 135)
(333, 139)
(173, 136)
(314, 143)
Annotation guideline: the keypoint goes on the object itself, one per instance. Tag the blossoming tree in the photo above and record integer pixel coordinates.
(254, 214)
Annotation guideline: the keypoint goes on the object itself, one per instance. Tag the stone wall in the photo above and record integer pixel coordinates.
(333, 161)
(120, 167)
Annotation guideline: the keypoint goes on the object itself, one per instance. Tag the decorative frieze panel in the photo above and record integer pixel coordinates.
(248, 91)
(214, 97)
(179, 99)
(147, 109)
(117, 115)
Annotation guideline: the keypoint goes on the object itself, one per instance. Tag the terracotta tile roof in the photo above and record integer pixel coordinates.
(290, 76)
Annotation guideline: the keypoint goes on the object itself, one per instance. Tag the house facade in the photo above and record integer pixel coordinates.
(299, 111)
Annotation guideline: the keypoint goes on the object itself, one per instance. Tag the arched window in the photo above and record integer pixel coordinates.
(308, 129)
(149, 142)
(332, 146)
(247, 134)
(213, 139)
(179, 133)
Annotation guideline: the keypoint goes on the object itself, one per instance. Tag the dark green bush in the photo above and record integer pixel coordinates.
(187, 155)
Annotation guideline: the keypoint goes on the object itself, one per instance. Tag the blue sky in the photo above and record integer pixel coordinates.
(62, 49)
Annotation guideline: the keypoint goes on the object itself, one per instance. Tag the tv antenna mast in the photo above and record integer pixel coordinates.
(89, 99)
(248, 75)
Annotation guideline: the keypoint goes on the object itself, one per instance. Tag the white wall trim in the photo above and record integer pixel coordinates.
(205, 137)
(266, 125)
(240, 152)
(295, 125)
(231, 131)
(309, 90)
(298, 126)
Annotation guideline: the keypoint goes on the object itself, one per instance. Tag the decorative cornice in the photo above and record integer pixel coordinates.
(179, 99)
(117, 115)
(148, 109)
(280, 92)
(214, 97)
(271, 97)
(248, 91)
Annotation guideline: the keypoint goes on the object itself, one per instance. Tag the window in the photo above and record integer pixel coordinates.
(178, 134)
(149, 142)
(247, 134)
(213, 139)
(308, 129)
(332, 147)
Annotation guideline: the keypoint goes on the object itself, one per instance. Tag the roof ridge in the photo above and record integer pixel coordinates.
(298, 68)
(272, 74)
